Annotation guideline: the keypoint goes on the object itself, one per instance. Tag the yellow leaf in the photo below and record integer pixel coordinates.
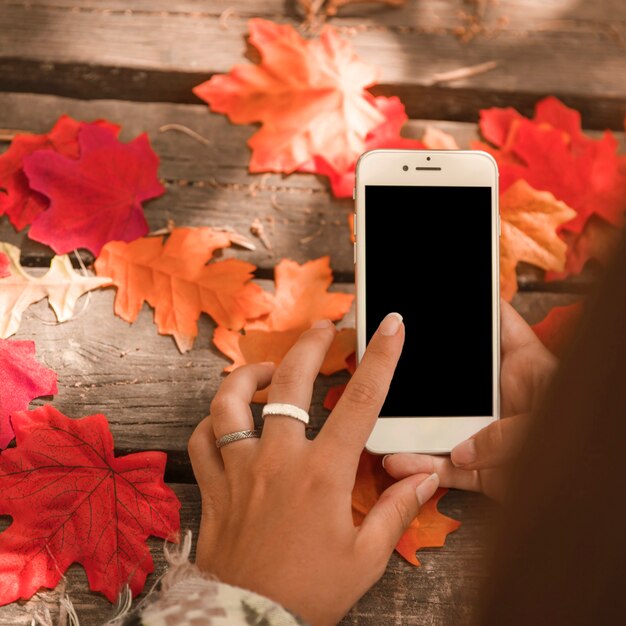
(530, 219)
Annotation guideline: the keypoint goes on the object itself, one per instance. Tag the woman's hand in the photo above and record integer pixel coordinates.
(276, 511)
(482, 462)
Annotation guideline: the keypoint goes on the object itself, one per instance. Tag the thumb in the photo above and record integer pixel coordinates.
(395, 509)
(495, 445)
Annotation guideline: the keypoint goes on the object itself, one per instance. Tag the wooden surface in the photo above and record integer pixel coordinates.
(135, 63)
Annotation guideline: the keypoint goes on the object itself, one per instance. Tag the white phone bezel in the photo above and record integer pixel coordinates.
(459, 168)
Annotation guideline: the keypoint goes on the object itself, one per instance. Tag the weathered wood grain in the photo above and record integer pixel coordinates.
(442, 591)
(158, 53)
(152, 395)
(211, 185)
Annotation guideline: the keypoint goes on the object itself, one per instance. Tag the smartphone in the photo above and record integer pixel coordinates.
(427, 246)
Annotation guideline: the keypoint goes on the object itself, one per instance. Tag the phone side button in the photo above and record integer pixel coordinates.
(499, 227)
(354, 193)
(354, 252)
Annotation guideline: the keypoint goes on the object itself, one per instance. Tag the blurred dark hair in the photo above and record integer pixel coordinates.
(560, 551)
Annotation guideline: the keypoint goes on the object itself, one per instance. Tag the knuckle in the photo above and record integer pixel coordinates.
(289, 375)
(402, 512)
(224, 403)
(362, 392)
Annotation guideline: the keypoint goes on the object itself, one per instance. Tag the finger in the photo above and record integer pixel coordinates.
(395, 509)
(230, 409)
(402, 465)
(349, 425)
(206, 461)
(293, 380)
(494, 445)
(515, 333)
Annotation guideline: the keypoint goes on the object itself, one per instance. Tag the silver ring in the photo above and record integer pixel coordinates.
(236, 436)
(290, 410)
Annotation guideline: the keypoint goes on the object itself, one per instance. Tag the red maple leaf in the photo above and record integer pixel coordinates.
(72, 501)
(552, 154)
(386, 135)
(558, 327)
(96, 198)
(22, 379)
(4, 265)
(21, 203)
(309, 96)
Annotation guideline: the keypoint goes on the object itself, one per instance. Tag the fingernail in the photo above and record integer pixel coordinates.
(464, 453)
(321, 324)
(385, 458)
(390, 325)
(267, 363)
(426, 489)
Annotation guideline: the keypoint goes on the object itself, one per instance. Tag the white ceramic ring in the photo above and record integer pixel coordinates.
(290, 410)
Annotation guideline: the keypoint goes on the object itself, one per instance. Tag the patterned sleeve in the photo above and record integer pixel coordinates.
(189, 597)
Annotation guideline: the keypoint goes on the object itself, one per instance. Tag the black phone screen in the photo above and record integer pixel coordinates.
(428, 257)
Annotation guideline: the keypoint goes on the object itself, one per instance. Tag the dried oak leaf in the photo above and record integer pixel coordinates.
(530, 219)
(72, 501)
(23, 379)
(301, 298)
(176, 280)
(97, 197)
(429, 529)
(21, 203)
(386, 135)
(552, 154)
(61, 285)
(558, 327)
(309, 96)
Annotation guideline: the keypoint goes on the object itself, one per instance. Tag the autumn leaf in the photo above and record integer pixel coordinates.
(558, 327)
(22, 379)
(97, 197)
(308, 95)
(175, 279)
(386, 135)
(21, 203)
(552, 154)
(529, 220)
(429, 529)
(4, 265)
(61, 285)
(301, 298)
(72, 501)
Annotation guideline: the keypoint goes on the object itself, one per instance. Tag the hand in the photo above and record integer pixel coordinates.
(482, 462)
(276, 511)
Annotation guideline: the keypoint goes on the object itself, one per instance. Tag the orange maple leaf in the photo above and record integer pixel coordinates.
(309, 96)
(529, 220)
(428, 530)
(176, 280)
(301, 298)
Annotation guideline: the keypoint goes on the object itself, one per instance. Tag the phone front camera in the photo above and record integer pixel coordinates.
(405, 168)
(428, 158)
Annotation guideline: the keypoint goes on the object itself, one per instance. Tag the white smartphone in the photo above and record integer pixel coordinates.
(427, 246)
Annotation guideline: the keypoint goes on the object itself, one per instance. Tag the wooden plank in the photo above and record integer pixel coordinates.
(159, 54)
(152, 395)
(440, 592)
(210, 185)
